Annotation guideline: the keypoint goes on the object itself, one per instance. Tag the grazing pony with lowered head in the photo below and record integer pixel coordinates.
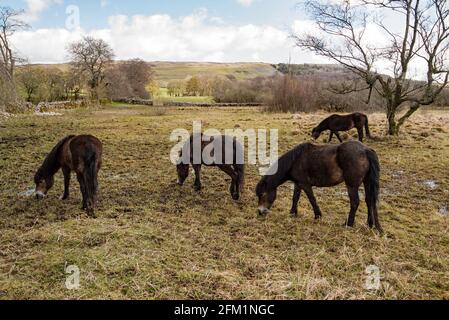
(310, 165)
(223, 152)
(82, 154)
(337, 123)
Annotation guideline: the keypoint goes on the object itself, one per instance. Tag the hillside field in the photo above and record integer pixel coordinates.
(167, 71)
(155, 240)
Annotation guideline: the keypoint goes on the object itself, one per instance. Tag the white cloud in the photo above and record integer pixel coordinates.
(36, 7)
(197, 37)
(246, 3)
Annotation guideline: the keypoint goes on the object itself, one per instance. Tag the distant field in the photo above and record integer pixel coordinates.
(165, 97)
(156, 240)
(167, 71)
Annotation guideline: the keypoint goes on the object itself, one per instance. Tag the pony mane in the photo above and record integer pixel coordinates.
(284, 165)
(323, 125)
(50, 166)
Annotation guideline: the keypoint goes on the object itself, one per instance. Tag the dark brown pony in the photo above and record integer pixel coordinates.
(310, 165)
(228, 160)
(337, 123)
(81, 154)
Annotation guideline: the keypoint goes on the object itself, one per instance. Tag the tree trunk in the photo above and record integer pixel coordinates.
(393, 128)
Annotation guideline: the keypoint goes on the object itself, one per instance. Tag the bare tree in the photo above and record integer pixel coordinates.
(92, 57)
(10, 23)
(424, 39)
(128, 79)
(139, 75)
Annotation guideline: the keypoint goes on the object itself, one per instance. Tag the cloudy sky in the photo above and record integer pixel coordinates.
(168, 30)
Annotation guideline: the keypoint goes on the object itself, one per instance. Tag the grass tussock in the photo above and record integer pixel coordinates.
(155, 240)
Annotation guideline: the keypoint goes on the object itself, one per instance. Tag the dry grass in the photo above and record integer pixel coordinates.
(155, 240)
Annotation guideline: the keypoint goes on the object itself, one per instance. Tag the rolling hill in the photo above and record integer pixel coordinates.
(167, 71)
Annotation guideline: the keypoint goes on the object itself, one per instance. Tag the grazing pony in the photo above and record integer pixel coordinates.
(223, 152)
(310, 165)
(337, 123)
(81, 154)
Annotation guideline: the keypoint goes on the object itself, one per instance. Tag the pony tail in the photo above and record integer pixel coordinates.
(240, 169)
(90, 177)
(372, 185)
(368, 133)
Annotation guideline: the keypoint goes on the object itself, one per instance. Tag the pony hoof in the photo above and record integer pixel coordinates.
(294, 214)
(91, 214)
(318, 217)
(235, 197)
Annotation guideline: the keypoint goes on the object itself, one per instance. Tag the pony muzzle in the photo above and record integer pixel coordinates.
(40, 195)
(263, 211)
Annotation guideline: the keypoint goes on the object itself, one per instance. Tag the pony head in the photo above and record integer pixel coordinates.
(266, 197)
(43, 184)
(316, 133)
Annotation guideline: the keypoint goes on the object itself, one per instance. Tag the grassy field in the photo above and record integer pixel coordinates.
(165, 97)
(155, 240)
(167, 71)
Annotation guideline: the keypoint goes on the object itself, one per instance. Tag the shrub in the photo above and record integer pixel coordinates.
(292, 94)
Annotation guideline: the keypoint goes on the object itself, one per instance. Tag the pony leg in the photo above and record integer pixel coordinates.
(361, 136)
(313, 202)
(83, 190)
(296, 197)
(331, 136)
(66, 171)
(339, 138)
(235, 193)
(355, 203)
(197, 184)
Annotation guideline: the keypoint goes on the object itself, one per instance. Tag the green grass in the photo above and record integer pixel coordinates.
(165, 97)
(155, 240)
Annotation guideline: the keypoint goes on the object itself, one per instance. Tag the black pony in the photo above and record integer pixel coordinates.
(310, 165)
(223, 152)
(337, 123)
(82, 154)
